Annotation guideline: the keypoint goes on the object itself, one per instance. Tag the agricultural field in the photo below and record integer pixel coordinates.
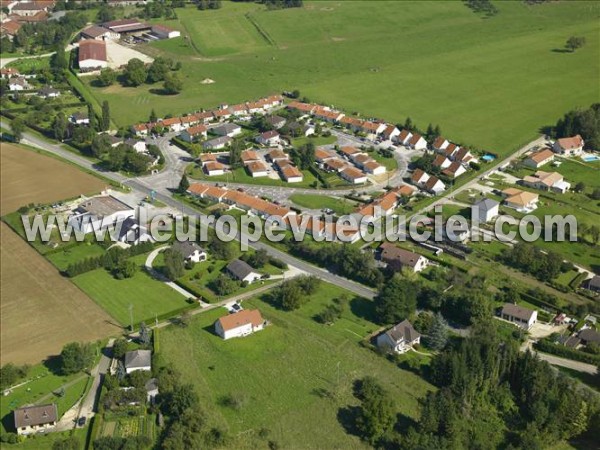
(294, 378)
(356, 56)
(40, 310)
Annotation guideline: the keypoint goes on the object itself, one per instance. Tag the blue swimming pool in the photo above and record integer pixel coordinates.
(591, 158)
(488, 158)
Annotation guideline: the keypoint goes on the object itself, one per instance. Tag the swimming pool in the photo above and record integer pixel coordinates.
(590, 158)
(488, 158)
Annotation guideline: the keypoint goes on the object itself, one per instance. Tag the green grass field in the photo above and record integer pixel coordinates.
(314, 201)
(283, 372)
(62, 258)
(148, 296)
(489, 82)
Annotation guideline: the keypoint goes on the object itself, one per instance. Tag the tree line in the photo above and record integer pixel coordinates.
(545, 266)
(585, 122)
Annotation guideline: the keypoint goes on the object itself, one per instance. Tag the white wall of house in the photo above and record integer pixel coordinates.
(24, 431)
(240, 331)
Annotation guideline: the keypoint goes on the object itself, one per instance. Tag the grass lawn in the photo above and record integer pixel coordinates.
(63, 258)
(390, 163)
(313, 201)
(285, 373)
(148, 296)
(338, 53)
(45, 441)
(44, 383)
(319, 140)
(28, 65)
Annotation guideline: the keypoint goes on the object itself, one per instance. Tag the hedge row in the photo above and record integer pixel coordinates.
(547, 346)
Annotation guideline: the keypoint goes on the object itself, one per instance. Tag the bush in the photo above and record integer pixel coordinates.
(547, 346)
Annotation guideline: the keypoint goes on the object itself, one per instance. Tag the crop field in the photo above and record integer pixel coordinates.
(489, 82)
(294, 378)
(40, 310)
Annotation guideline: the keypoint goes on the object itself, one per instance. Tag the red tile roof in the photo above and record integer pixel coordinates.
(92, 49)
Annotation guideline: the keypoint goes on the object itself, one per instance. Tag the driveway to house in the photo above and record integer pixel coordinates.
(561, 362)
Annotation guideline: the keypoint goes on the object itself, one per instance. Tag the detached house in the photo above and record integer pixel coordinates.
(240, 324)
(291, 174)
(522, 201)
(228, 129)
(18, 84)
(545, 181)
(257, 169)
(217, 143)
(49, 92)
(138, 360)
(276, 122)
(35, 419)
(268, 138)
(353, 175)
(570, 146)
(397, 258)
(213, 168)
(190, 251)
(538, 159)
(399, 339)
(242, 271)
(518, 315)
(485, 210)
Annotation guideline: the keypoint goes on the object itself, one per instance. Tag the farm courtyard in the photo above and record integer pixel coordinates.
(437, 62)
(40, 310)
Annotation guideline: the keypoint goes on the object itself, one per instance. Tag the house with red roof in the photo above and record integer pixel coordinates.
(569, 146)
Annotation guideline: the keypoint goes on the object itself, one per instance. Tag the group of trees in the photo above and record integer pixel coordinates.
(208, 4)
(261, 258)
(344, 259)
(585, 122)
(292, 294)
(333, 311)
(121, 157)
(278, 4)
(174, 266)
(529, 259)
(136, 74)
(115, 260)
(482, 6)
(304, 156)
(76, 356)
(10, 374)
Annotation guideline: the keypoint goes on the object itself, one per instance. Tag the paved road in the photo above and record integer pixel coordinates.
(164, 195)
(561, 362)
(89, 404)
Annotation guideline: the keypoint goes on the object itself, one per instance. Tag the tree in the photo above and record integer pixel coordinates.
(181, 398)
(115, 158)
(159, 69)
(9, 374)
(135, 72)
(257, 259)
(184, 184)
(377, 414)
(575, 42)
(105, 124)
(105, 14)
(153, 118)
(101, 144)
(144, 334)
(595, 234)
(107, 77)
(579, 187)
(17, 127)
(93, 125)
(119, 348)
(60, 126)
(595, 194)
(408, 124)
(136, 162)
(174, 267)
(76, 356)
(126, 269)
(224, 285)
(59, 61)
(438, 333)
(173, 84)
(397, 300)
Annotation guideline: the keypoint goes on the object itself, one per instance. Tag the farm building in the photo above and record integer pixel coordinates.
(92, 55)
(100, 212)
(163, 32)
(98, 33)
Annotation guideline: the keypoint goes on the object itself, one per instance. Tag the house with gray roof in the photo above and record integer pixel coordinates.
(35, 419)
(190, 251)
(592, 284)
(217, 143)
(242, 271)
(400, 338)
(485, 210)
(227, 129)
(138, 360)
(49, 92)
(131, 232)
(151, 387)
(518, 315)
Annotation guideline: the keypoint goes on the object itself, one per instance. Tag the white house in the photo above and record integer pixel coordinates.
(419, 178)
(35, 419)
(190, 251)
(520, 316)
(522, 201)
(435, 185)
(390, 133)
(547, 181)
(152, 391)
(538, 159)
(268, 138)
(79, 118)
(441, 161)
(353, 175)
(440, 144)
(131, 232)
(138, 360)
(292, 174)
(49, 92)
(213, 168)
(399, 339)
(485, 210)
(417, 142)
(404, 137)
(164, 32)
(242, 271)
(239, 324)
(257, 169)
(18, 84)
(100, 212)
(398, 258)
(570, 146)
(454, 170)
(374, 168)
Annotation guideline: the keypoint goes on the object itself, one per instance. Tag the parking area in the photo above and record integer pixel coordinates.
(118, 55)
